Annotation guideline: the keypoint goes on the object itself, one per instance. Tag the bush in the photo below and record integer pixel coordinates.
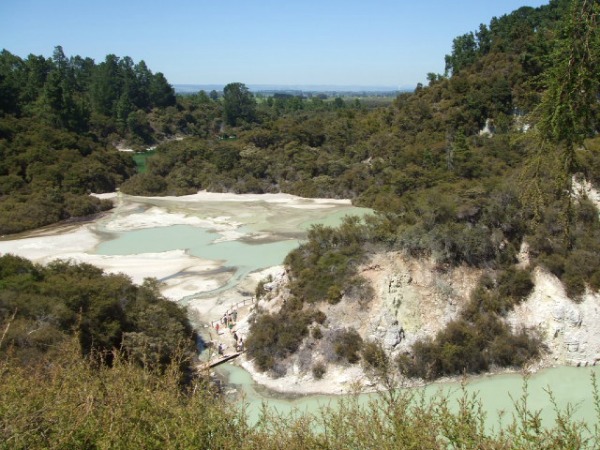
(107, 312)
(145, 184)
(83, 205)
(316, 333)
(319, 316)
(260, 289)
(318, 370)
(274, 336)
(334, 294)
(479, 338)
(514, 350)
(327, 262)
(374, 355)
(515, 283)
(347, 345)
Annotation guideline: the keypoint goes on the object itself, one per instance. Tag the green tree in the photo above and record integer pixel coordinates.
(106, 85)
(161, 92)
(11, 68)
(569, 109)
(464, 52)
(238, 104)
(36, 73)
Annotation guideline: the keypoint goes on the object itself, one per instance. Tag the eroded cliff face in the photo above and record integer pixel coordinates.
(414, 299)
(570, 330)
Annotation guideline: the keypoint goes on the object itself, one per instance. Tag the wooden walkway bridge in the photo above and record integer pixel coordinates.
(217, 361)
(225, 334)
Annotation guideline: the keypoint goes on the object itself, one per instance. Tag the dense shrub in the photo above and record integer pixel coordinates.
(374, 356)
(106, 312)
(275, 336)
(326, 262)
(347, 345)
(47, 173)
(316, 333)
(572, 252)
(479, 339)
(318, 370)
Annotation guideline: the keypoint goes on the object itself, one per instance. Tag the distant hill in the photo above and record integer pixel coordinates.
(296, 88)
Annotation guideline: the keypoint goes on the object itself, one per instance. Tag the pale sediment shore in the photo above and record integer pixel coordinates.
(289, 200)
(183, 274)
(78, 246)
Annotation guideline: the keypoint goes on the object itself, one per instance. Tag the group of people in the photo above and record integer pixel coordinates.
(239, 344)
(229, 318)
(227, 322)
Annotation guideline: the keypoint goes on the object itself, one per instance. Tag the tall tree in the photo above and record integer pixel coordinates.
(60, 97)
(106, 86)
(238, 104)
(464, 52)
(144, 78)
(11, 70)
(37, 69)
(569, 108)
(161, 92)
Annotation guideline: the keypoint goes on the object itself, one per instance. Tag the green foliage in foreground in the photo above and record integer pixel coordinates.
(64, 401)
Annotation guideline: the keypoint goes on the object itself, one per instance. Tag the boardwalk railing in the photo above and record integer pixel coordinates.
(240, 304)
(244, 302)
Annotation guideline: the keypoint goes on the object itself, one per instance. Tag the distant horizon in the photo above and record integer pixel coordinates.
(196, 87)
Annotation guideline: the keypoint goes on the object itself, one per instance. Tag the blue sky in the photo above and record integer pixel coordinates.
(308, 42)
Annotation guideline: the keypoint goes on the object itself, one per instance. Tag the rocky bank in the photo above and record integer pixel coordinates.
(414, 299)
(411, 299)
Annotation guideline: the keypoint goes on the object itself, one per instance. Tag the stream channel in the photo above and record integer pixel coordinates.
(205, 247)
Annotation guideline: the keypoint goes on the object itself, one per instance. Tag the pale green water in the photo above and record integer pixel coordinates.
(569, 385)
(198, 242)
(276, 222)
(239, 255)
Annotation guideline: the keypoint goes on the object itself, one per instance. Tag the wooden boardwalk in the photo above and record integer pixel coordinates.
(217, 361)
(221, 334)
